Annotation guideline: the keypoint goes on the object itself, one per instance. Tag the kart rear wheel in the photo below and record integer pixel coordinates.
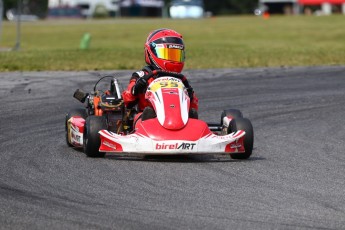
(81, 112)
(235, 113)
(91, 138)
(246, 125)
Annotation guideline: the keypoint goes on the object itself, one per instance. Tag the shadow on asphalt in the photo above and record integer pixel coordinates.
(217, 158)
(181, 158)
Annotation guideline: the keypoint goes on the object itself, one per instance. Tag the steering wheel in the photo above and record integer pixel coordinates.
(161, 73)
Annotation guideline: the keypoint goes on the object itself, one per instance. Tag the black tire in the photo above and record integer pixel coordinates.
(235, 113)
(91, 138)
(74, 112)
(246, 125)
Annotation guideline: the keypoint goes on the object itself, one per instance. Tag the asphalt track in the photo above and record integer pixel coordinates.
(295, 178)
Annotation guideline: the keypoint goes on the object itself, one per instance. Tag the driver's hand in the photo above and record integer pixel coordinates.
(190, 93)
(140, 86)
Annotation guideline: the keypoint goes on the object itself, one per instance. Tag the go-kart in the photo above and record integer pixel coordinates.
(166, 128)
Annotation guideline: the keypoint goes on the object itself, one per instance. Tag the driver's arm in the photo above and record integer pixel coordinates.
(194, 101)
(127, 95)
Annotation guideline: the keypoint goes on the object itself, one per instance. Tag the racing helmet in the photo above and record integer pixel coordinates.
(164, 49)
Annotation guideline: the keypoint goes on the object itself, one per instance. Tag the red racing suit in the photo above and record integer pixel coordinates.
(131, 100)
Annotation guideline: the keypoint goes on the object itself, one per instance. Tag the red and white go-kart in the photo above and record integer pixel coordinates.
(107, 126)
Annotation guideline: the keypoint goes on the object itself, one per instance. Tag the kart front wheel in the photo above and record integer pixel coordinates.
(91, 138)
(81, 112)
(246, 125)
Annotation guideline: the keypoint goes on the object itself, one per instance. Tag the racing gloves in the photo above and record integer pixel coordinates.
(140, 86)
(188, 87)
(141, 83)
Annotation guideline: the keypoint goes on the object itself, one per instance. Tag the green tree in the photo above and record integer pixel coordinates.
(36, 7)
(9, 4)
(230, 6)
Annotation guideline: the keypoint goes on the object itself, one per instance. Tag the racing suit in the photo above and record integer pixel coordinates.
(131, 98)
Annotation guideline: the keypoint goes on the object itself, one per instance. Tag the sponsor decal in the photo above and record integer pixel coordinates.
(165, 82)
(76, 139)
(226, 137)
(75, 128)
(177, 146)
(167, 79)
(174, 46)
(235, 146)
(106, 143)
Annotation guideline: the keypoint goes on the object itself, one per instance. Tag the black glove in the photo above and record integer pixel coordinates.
(190, 93)
(140, 86)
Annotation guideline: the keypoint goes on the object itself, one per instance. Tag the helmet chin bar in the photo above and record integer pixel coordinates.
(174, 66)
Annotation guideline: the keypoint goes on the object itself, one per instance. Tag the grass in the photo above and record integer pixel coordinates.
(220, 42)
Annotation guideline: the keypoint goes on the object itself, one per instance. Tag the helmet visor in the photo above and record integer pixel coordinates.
(171, 49)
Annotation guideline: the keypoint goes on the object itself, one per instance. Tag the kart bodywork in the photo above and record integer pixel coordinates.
(164, 129)
(150, 138)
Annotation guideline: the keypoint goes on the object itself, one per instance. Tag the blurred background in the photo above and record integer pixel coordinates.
(109, 34)
(45, 9)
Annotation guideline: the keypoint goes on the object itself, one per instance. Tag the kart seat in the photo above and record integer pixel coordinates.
(148, 113)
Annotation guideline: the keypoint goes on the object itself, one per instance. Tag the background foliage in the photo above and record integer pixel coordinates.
(216, 42)
(36, 7)
(230, 6)
(218, 7)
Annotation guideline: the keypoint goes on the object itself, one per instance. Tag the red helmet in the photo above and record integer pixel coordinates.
(164, 49)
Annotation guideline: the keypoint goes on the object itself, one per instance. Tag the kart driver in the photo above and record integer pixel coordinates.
(164, 50)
